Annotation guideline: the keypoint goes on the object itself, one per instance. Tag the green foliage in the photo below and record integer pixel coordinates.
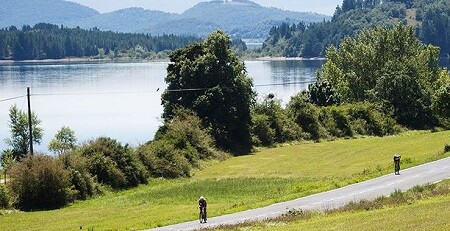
(47, 41)
(263, 134)
(163, 159)
(441, 99)
(435, 29)
(7, 161)
(347, 120)
(178, 147)
(271, 124)
(82, 183)
(388, 66)
(210, 80)
(63, 141)
(40, 182)
(4, 197)
(322, 93)
(429, 17)
(18, 125)
(307, 116)
(113, 164)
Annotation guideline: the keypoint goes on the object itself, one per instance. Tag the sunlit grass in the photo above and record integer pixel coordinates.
(268, 176)
(430, 214)
(416, 209)
(341, 159)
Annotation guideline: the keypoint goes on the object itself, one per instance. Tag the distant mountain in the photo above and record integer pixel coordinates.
(240, 18)
(130, 20)
(30, 12)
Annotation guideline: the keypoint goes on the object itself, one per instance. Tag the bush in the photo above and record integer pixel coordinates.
(163, 159)
(186, 132)
(307, 116)
(447, 147)
(336, 122)
(40, 182)
(178, 147)
(371, 120)
(113, 164)
(4, 197)
(80, 178)
(271, 124)
(262, 133)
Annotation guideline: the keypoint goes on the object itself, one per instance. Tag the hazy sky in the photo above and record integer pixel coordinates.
(178, 6)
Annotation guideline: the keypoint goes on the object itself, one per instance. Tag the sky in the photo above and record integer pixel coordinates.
(178, 6)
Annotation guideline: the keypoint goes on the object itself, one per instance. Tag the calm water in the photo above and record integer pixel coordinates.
(119, 100)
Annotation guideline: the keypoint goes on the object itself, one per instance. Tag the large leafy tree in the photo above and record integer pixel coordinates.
(388, 66)
(18, 124)
(209, 79)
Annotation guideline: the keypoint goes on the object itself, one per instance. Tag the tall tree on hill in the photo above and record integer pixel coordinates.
(209, 79)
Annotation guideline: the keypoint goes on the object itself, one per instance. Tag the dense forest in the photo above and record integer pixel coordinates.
(47, 41)
(430, 18)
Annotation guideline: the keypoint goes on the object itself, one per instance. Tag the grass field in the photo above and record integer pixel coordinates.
(267, 176)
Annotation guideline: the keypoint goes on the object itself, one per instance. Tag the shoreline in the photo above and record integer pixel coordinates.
(270, 58)
(79, 60)
(127, 60)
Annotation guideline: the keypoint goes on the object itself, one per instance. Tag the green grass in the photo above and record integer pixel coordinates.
(431, 214)
(268, 176)
(422, 208)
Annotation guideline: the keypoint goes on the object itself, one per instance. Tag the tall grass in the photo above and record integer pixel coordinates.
(268, 176)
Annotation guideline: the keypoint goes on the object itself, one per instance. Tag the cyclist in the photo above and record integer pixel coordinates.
(202, 204)
(397, 164)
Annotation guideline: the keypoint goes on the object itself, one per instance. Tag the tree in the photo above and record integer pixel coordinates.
(441, 100)
(388, 66)
(209, 79)
(20, 139)
(7, 161)
(63, 141)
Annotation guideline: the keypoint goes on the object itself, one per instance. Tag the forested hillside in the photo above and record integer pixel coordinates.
(47, 41)
(431, 18)
(239, 18)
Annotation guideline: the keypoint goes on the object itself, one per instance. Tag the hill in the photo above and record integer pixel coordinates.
(429, 17)
(243, 19)
(30, 12)
(129, 20)
(240, 18)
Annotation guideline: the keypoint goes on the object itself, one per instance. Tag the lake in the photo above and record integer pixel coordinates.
(119, 100)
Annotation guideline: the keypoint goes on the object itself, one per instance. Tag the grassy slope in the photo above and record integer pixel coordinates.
(240, 183)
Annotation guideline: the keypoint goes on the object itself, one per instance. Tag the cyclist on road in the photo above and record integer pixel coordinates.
(397, 164)
(202, 204)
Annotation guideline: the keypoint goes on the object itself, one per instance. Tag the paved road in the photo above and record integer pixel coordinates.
(382, 186)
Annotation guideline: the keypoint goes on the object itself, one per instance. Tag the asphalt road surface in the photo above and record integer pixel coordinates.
(383, 186)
